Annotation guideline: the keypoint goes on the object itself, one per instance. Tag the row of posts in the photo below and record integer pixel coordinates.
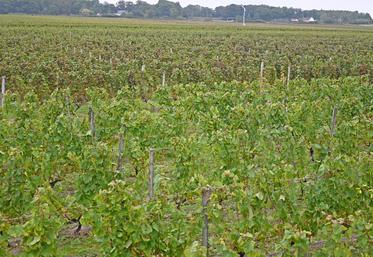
(206, 192)
(3, 82)
(164, 74)
(262, 74)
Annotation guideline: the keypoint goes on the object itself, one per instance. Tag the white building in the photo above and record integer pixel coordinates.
(120, 12)
(309, 20)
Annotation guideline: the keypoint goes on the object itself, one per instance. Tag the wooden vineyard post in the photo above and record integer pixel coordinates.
(261, 73)
(67, 101)
(120, 153)
(164, 79)
(92, 123)
(151, 174)
(333, 125)
(261, 70)
(289, 74)
(206, 193)
(2, 96)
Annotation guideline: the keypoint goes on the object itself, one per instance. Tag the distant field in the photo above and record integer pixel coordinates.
(47, 52)
(123, 137)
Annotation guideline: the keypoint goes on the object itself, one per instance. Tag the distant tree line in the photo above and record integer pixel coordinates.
(167, 9)
(54, 7)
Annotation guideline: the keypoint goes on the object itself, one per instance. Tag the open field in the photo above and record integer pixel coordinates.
(131, 138)
(50, 52)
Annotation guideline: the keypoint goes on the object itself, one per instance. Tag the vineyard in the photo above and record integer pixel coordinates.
(139, 138)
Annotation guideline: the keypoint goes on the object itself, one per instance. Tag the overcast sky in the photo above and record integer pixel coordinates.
(354, 5)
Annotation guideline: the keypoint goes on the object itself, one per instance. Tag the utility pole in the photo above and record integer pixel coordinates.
(244, 15)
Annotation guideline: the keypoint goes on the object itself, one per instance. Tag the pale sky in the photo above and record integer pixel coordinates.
(353, 5)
